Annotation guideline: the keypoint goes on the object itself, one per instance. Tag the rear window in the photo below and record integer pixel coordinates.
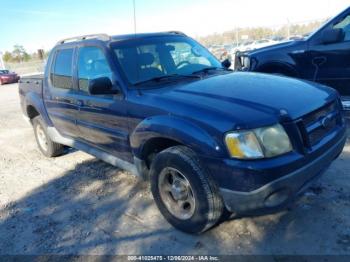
(61, 73)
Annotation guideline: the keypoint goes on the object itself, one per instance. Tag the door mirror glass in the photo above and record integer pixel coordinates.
(102, 86)
(330, 36)
(226, 63)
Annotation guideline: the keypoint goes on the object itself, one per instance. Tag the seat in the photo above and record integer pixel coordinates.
(138, 67)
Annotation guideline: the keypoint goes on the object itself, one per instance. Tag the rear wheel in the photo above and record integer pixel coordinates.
(183, 190)
(45, 144)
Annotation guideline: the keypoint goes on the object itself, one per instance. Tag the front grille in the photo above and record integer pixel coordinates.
(320, 123)
(319, 133)
(316, 115)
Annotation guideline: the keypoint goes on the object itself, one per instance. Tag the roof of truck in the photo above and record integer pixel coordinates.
(115, 38)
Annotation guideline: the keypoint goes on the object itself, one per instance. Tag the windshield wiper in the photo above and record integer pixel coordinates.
(207, 69)
(165, 77)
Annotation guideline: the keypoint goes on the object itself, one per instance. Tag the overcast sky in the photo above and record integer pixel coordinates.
(39, 24)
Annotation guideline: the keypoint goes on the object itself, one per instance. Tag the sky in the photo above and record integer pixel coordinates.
(40, 24)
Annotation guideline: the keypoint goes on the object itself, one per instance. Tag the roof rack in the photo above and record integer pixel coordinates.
(103, 37)
(176, 32)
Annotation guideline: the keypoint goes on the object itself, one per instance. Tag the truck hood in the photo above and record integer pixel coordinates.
(243, 100)
(276, 47)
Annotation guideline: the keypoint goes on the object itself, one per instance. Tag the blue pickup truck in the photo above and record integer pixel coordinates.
(323, 57)
(210, 141)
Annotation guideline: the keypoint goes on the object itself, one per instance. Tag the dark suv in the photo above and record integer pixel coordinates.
(208, 139)
(322, 57)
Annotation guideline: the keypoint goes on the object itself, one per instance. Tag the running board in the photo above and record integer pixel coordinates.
(100, 154)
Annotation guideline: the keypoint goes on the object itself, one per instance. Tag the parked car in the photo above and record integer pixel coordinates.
(208, 139)
(6, 77)
(262, 43)
(246, 46)
(323, 57)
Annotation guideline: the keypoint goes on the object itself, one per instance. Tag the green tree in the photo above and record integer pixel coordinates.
(7, 57)
(19, 54)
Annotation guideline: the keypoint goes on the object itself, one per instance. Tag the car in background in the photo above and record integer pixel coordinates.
(252, 45)
(262, 43)
(246, 46)
(297, 37)
(6, 77)
(322, 57)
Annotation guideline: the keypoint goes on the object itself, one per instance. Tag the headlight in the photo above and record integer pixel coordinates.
(246, 62)
(258, 143)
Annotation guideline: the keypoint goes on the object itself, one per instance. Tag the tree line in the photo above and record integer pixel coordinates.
(19, 54)
(256, 33)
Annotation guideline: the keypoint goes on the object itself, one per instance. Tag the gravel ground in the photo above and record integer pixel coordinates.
(76, 204)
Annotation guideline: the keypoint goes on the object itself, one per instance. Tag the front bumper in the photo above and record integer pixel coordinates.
(280, 191)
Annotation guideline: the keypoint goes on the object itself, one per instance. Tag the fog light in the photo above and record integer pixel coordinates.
(277, 198)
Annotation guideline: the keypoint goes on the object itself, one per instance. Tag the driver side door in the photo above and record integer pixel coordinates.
(102, 119)
(330, 63)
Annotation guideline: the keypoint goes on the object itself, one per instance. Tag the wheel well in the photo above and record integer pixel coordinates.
(278, 69)
(32, 112)
(154, 146)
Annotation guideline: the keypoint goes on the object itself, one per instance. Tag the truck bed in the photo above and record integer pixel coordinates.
(33, 83)
(30, 84)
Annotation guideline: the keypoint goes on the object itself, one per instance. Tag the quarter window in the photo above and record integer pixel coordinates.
(345, 25)
(92, 64)
(61, 75)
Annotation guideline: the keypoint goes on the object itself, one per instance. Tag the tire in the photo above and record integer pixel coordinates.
(206, 207)
(50, 149)
(1, 82)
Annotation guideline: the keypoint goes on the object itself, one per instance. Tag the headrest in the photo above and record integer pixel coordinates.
(145, 59)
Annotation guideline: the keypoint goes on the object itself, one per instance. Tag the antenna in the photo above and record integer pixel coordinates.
(134, 5)
(137, 72)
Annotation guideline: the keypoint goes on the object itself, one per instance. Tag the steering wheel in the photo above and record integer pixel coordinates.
(182, 64)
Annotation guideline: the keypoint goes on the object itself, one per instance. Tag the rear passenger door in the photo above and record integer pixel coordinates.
(102, 119)
(61, 94)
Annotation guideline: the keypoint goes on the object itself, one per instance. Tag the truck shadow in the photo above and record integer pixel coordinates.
(94, 208)
(98, 209)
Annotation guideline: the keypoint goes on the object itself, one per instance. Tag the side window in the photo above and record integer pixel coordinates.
(345, 25)
(92, 64)
(61, 73)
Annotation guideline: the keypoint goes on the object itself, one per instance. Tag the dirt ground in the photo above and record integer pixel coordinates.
(76, 204)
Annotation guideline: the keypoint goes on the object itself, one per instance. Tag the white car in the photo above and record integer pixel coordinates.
(247, 46)
(262, 43)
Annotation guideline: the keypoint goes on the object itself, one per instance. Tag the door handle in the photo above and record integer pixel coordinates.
(63, 100)
(79, 103)
(319, 60)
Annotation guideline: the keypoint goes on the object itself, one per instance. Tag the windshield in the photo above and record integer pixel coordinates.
(159, 57)
(4, 72)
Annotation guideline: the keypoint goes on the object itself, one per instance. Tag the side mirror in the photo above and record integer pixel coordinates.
(226, 63)
(330, 36)
(102, 86)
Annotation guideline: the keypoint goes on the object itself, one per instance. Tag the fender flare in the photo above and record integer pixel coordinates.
(176, 129)
(34, 100)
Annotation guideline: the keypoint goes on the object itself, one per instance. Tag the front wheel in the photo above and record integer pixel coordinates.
(184, 192)
(45, 144)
